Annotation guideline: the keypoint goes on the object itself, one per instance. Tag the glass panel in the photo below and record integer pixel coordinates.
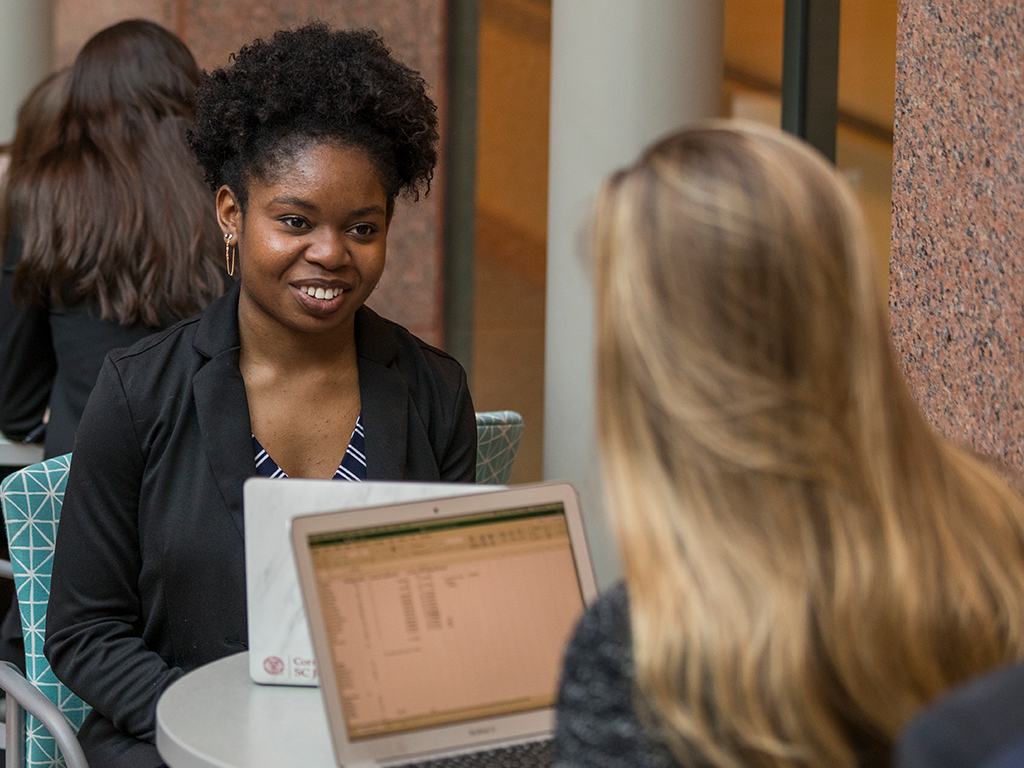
(867, 76)
(511, 224)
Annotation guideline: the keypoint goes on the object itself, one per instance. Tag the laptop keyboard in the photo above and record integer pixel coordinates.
(536, 754)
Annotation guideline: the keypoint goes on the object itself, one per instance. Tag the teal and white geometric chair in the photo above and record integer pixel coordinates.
(497, 440)
(32, 500)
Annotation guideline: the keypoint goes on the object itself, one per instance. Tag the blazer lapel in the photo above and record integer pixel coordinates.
(385, 413)
(385, 399)
(223, 409)
(221, 404)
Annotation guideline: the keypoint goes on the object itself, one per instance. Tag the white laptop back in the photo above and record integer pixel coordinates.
(439, 626)
(280, 652)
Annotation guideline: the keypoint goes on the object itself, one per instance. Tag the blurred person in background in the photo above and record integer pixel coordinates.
(37, 118)
(110, 234)
(807, 561)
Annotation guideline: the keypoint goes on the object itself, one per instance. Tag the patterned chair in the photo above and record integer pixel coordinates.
(32, 499)
(497, 440)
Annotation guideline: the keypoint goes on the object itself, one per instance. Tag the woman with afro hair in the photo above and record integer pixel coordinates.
(306, 140)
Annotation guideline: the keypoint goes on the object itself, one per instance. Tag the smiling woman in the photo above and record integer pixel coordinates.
(314, 239)
(306, 141)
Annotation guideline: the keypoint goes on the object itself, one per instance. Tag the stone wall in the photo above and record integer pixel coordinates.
(957, 268)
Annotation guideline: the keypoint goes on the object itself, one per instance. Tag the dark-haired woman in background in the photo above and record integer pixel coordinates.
(307, 140)
(111, 237)
(37, 118)
(25, 344)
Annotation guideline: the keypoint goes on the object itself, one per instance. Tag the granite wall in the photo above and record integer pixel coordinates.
(957, 268)
(411, 290)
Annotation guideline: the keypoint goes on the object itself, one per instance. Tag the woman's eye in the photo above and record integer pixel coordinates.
(363, 230)
(295, 222)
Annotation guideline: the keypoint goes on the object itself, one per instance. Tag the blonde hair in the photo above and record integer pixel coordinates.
(808, 561)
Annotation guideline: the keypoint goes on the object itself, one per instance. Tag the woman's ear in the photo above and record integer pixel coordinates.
(229, 212)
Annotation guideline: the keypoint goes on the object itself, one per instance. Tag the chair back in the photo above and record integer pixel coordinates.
(497, 441)
(32, 499)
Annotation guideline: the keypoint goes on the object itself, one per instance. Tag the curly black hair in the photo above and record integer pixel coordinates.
(314, 84)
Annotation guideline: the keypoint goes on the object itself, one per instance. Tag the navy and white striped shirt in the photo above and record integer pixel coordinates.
(352, 467)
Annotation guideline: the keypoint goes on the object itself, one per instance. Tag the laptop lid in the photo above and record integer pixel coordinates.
(280, 651)
(439, 626)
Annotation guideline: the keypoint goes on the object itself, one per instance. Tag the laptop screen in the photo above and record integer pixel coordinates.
(439, 622)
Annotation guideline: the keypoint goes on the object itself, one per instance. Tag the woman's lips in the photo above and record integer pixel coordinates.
(324, 306)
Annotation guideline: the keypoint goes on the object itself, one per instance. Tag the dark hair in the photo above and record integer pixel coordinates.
(114, 211)
(37, 119)
(315, 84)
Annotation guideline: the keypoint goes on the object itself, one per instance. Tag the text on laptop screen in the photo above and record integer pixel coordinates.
(438, 622)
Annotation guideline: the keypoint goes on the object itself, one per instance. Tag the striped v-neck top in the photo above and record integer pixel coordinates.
(352, 467)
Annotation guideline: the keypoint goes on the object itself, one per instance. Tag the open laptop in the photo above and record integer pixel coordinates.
(280, 651)
(439, 626)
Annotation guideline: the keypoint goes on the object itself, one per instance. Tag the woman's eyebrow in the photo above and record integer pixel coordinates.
(298, 202)
(291, 200)
(367, 211)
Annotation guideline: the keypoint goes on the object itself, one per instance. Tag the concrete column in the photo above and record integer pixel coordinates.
(26, 54)
(623, 73)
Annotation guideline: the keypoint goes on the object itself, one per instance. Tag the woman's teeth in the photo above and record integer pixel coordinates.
(321, 293)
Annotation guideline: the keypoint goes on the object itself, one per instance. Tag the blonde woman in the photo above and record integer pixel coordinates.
(806, 561)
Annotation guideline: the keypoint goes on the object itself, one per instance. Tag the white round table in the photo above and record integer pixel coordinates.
(216, 717)
(19, 454)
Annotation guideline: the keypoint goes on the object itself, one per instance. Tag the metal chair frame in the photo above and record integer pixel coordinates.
(32, 498)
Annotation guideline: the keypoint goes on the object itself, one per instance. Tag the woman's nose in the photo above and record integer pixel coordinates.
(329, 249)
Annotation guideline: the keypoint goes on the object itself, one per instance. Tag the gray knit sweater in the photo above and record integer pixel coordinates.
(597, 724)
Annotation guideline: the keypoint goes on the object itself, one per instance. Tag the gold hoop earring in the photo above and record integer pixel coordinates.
(230, 262)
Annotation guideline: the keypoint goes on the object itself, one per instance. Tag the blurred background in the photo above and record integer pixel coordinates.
(490, 77)
(511, 178)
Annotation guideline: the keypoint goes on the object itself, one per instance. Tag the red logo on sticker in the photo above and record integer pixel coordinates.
(273, 665)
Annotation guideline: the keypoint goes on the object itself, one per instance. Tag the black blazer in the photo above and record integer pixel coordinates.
(50, 358)
(148, 574)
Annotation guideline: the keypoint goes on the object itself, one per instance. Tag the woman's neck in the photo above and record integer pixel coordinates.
(266, 342)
